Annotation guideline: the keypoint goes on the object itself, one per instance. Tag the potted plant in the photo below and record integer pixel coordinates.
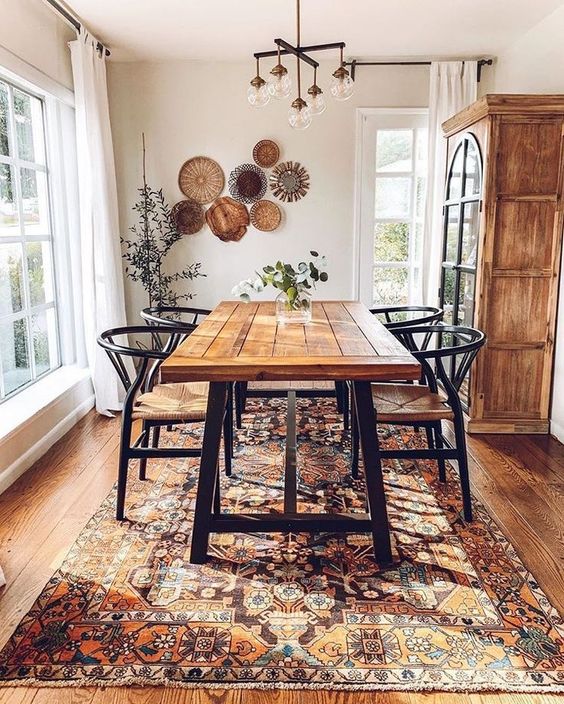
(295, 283)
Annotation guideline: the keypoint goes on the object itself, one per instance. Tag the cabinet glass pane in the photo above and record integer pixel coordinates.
(393, 196)
(14, 350)
(11, 279)
(455, 178)
(9, 218)
(466, 290)
(472, 185)
(452, 225)
(4, 146)
(391, 242)
(390, 286)
(35, 202)
(449, 283)
(394, 150)
(470, 232)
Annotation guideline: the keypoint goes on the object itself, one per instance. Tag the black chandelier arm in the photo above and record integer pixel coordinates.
(299, 51)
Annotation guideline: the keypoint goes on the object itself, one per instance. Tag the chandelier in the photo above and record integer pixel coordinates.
(279, 84)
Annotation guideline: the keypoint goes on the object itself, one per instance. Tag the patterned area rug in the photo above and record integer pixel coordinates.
(459, 612)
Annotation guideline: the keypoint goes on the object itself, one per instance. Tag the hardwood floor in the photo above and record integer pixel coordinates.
(519, 478)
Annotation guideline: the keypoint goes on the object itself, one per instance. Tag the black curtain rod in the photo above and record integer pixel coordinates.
(75, 23)
(354, 63)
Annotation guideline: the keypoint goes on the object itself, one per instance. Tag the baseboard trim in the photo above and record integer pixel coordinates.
(557, 431)
(36, 451)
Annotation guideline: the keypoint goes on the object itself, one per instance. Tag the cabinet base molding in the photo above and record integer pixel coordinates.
(519, 427)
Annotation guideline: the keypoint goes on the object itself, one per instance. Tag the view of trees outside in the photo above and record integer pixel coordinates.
(28, 330)
(399, 212)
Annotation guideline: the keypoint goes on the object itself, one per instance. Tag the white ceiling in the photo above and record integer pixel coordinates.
(234, 29)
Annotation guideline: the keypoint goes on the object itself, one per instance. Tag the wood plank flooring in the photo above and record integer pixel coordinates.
(519, 478)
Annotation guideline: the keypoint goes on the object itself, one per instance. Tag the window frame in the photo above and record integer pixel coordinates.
(369, 121)
(57, 237)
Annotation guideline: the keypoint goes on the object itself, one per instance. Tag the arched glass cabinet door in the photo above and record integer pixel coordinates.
(462, 207)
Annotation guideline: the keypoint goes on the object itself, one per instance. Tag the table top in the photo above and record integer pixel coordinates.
(242, 342)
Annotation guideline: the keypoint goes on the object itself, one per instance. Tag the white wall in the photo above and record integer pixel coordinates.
(535, 64)
(196, 108)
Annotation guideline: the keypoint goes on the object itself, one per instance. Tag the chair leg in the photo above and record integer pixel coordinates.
(228, 440)
(339, 393)
(145, 429)
(462, 460)
(238, 405)
(217, 496)
(346, 407)
(355, 441)
(438, 429)
(123, 465)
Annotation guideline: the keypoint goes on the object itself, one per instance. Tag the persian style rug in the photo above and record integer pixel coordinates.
(458, 612)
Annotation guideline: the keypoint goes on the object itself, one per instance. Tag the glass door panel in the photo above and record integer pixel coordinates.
(470, 233)
(452, 233)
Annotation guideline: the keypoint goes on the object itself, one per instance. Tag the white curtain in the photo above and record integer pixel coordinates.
(453, 86)
(2, 580)
(102, 293)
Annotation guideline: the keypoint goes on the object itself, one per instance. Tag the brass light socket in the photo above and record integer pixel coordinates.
(278, 71)
(314, 91)
(299, 104)
(341, 73)
(258, 82)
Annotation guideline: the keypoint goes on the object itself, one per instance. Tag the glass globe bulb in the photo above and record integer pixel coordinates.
(258, 95)
(342, 85)
(279, 83)
(299, 118)
(317, 103)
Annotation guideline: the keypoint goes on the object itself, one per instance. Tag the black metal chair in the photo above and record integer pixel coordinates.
(154, 404)
(174, 315)
(445, 364)
(394, 317)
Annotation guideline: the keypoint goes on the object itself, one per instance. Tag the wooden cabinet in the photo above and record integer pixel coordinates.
(502, 248)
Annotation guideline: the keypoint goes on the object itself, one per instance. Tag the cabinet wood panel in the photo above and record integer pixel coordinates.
(525, 239)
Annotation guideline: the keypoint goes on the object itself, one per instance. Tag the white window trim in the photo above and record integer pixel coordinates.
(362, 247)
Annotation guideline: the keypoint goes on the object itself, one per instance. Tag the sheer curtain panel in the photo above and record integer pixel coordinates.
(102, 277)
(453, 86)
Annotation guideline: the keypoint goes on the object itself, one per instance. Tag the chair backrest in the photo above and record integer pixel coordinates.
(149, 352)
(174, 315)
(446, 353)
(403, 316)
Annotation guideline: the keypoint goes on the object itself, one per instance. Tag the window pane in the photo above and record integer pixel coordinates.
(393, 197)
(29, 127)
(466, 299)
(9, 219)
(391, 242)
(44, 334)
(390, 286)
(470, 232)
(452, 233)
(11, 279)
(420, 197)
(421, 150)
(39, 273)
(394, 150)
(4, 148)
(449, 282)
(14, 349)
(472, 185)
(35, 202)
(455, 180)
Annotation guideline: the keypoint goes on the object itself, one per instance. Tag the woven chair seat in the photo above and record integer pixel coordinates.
(173, 402)
(395, 403)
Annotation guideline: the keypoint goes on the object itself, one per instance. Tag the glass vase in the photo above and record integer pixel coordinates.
(297, 312)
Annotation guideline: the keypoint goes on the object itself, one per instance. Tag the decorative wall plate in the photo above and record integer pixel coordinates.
(188, 216)
(201, 179)
(247, 183)
(289, 181)
(266, 153)
(227, 219)
(265, 215)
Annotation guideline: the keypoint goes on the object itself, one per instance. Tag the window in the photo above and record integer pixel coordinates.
(393, 180)
(29, 344)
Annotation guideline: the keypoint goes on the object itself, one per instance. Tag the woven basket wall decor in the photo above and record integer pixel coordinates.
(265, 215)
(289, 181)
(201, 179)
(227, 219)
(188, 216)
(247, 183)
(266, 153)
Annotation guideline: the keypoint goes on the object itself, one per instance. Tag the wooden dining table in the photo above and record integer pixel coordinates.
(243, 342)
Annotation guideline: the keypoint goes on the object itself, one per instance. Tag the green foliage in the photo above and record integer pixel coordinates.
(391, 243)
(145, 252)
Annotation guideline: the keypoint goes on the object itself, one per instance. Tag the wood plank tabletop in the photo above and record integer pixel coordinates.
(242, 342)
